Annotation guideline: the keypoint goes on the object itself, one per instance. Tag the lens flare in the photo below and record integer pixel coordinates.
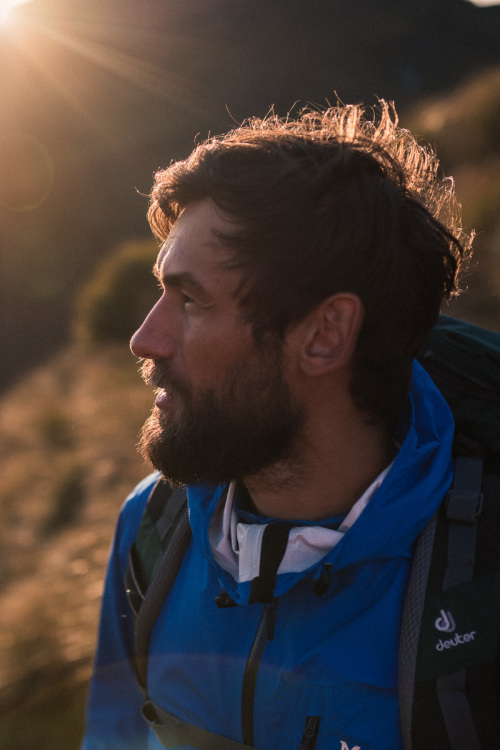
(6, 8)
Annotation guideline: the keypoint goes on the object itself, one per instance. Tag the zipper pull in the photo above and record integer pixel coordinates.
(223, 601)
(324, 580)
(311, 730)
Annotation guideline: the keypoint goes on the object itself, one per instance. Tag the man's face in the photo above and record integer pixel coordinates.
(223, 409)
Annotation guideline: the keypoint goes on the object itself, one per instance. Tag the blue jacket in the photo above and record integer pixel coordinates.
(333, 656)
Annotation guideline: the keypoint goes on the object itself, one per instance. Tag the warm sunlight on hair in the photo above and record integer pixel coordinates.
(6, 7)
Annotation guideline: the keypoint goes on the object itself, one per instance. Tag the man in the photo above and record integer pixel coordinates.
(304, 263)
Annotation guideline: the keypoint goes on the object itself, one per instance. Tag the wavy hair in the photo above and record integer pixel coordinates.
(332, 201)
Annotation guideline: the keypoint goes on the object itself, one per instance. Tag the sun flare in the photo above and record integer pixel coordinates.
(6, 7)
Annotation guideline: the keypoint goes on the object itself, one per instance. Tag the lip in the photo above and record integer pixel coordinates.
(164, 400)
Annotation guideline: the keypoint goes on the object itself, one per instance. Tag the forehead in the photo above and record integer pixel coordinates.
(193, 240)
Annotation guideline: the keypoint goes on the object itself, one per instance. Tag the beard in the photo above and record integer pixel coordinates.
(245, 424)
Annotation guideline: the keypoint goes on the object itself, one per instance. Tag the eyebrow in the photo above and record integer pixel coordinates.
(181, 280)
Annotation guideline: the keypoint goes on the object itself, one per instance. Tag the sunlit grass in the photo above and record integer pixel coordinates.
(67, 459)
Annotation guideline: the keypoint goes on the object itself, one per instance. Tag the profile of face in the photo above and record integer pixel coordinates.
(224, 409)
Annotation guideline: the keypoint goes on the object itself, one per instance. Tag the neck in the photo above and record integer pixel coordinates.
(328, 473)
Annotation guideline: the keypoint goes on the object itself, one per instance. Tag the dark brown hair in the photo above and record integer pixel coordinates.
(330, 202)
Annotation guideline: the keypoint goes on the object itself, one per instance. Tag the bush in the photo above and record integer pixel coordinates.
(464, 125)
(115, 301)
(68, 499)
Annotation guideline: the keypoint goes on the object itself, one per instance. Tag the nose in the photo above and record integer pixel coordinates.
(152, 340)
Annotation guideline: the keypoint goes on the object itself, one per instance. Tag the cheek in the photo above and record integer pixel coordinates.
(209, 355)
(202, 355)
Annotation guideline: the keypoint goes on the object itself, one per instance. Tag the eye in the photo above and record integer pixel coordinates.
(186, 299)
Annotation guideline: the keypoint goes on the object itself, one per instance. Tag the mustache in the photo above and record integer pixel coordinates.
(157, 373)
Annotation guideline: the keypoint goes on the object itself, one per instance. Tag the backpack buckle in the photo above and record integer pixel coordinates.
(464, 501)
(464, 506)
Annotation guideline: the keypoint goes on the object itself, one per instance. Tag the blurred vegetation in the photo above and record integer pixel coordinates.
(68, 432)
(114, 302)
(68, 459)
(464, 128)
(463, 125)
(68, 499)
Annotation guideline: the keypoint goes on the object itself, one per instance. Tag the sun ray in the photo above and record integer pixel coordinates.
(6, 8)
(181, 90)
(134, 70)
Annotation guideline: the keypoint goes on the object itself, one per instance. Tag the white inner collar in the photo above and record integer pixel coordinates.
(236, 546)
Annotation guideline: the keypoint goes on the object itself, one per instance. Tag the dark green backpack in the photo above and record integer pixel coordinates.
(449, 666)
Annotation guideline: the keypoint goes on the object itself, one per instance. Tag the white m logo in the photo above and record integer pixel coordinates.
(345, 746)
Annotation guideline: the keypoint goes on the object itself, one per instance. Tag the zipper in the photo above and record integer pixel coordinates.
(265, 633)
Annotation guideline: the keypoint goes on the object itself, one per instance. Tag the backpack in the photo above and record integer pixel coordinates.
(449, 668)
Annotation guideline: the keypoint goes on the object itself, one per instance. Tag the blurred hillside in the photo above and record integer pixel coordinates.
(68, 460)
(96, 96)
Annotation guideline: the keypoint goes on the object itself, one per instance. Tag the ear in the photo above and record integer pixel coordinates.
(330, 334)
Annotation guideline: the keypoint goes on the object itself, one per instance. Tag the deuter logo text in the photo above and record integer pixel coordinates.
(445, 623)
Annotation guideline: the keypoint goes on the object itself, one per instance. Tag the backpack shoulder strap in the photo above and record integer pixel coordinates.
(450, 631)
(410, 627)
(154, 561)
(163, 511)
(463, 505)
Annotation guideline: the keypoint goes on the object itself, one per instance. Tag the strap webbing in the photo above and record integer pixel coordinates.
(157, 593)
(463, 505)
(172, 732)
(456, 711)
(410, 628)
(171, 507)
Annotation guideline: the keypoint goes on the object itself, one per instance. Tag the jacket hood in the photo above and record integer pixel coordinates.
(410, 494)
